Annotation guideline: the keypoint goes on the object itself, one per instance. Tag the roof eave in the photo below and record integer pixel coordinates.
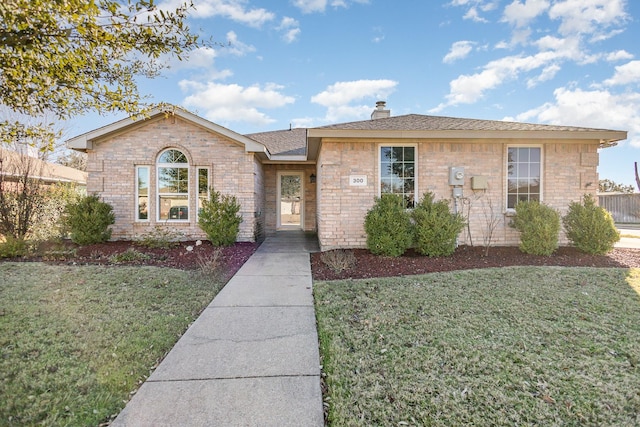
(602, 135)
(85, 141)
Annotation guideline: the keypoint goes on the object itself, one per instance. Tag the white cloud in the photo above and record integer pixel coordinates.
(291, 29)
(474, 7)
(310, 6)
(625, 74)
(587, 16)
(520, 14)
(236, 10)
(595, 109)
(234, 103)
(547, 73)
(313, 6)
(467, 89)
(339, 97)
(619, 55)
(459, 50)
(202, 59)
(235, 46)
(473, 15)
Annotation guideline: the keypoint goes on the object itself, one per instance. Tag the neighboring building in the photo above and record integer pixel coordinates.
(15, 164)
(156, 171)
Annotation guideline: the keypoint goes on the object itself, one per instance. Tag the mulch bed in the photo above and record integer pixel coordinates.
(367, 265)
(469, 257)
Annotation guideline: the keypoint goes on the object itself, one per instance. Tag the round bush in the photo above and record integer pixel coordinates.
(539, 226)
(388, 226)
(219, 218)
(590, 227)
(89, 220)
(436, 228)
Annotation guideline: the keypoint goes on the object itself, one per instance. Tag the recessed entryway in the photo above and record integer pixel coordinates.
(290, 200)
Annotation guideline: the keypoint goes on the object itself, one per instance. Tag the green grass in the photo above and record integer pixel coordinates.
(509, 346)
(76, 341)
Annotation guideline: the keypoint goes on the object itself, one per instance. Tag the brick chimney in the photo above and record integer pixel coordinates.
(380, 112)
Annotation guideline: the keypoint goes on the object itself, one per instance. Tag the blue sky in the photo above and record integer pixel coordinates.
(315, 62)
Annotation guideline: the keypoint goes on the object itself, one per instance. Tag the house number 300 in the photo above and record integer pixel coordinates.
(358, 180)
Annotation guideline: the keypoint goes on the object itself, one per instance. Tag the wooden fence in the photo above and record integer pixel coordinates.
(625, 208)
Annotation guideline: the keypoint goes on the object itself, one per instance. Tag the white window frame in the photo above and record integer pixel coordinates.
(506, 172)
(416, 197)
(158, 194)
(137, 196)
(197, 185)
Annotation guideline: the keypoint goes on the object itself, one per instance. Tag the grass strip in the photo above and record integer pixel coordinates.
(77, 341)
(508, 346)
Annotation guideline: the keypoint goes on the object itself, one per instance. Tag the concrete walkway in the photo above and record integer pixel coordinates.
(251, 358)
(631, 238)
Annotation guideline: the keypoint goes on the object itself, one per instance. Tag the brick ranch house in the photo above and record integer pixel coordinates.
(156, 171)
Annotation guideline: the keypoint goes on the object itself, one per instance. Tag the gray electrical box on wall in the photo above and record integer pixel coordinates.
(456, 176)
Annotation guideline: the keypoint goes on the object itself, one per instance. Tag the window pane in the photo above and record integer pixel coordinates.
(409, 154)
(534, 155)
(523, 174)
(174, 207)
(173, 180)
(534, 170)
(203, 181)
(385, 169)
(143, 192)
(173, 156)
(385, 154)
(183, 180)
(408, 170)
(398, 171)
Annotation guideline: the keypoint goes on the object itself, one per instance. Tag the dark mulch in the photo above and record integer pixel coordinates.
(232, 257)
(469, 257)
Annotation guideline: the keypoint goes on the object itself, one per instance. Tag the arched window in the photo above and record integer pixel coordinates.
(173, 185)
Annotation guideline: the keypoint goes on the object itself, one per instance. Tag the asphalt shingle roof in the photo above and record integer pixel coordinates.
(293, 142)
(283, 142)
(418, 122)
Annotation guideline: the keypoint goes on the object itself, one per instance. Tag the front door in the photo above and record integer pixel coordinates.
(290, 200)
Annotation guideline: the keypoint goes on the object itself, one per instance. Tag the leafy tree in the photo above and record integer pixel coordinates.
(72, 56)
(21, 193)
(73, 159)
(609, 186)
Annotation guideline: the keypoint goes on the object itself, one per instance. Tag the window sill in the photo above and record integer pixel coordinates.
(510, 213)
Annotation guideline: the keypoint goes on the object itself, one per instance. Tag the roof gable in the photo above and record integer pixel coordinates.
(85, 141)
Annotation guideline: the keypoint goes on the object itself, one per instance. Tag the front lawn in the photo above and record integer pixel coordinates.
(76, 341)
(507, 346)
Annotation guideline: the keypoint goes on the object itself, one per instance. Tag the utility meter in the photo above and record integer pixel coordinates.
(456, 176)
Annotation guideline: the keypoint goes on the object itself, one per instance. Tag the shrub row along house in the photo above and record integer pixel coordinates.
(157, 171)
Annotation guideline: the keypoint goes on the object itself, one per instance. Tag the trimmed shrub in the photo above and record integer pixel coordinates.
(160, 237)
(539, 226)
(436, 227)
(590, 227)
(219, 218)
(388, 226)
(88, 220)
(13, 247)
